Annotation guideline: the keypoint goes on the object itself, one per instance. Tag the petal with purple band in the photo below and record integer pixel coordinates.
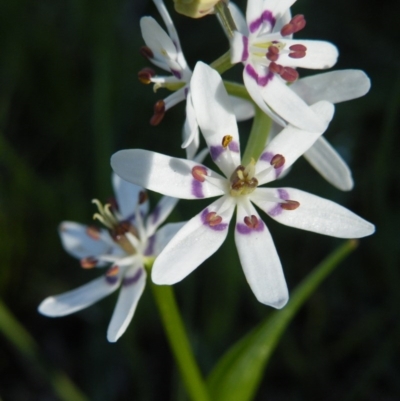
(160, 213)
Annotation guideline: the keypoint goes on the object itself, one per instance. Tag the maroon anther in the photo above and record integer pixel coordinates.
(146, 52)
(297, 51)
(199, 172)
(290, 205)
(89, 262)
(251, 221)
(213, 219)
(273, 53)
(145, 75)
(159, 112)
(143, 197)
(276, 68)
(289, 74)
(277, 161)
(296, 24)
(93, 232)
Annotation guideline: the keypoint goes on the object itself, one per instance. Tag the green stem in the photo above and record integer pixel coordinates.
(225, 18)
(223, 63)
(26, 345)
(238, 90)
(258, 136)
(179, 342)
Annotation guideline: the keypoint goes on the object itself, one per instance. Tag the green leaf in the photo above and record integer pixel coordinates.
(238, 374)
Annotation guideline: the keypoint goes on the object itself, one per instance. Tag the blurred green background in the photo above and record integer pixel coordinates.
(70, 97)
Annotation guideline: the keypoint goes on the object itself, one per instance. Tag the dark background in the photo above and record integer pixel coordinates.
(69, 98)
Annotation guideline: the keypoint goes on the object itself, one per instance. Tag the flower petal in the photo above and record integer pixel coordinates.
(333, 86)
(83, 241)
(319, 55)
(164, 235)
(316, 214)
(194, 243)
(239, 18)
(324, 158)
(128, 196)
(160, 214)
(215, 116)
(243, 109)
(289, 106)
(80, 298)
(291, 143)
(259, 259)
(167, 175)
(131, 290)
(191, 137)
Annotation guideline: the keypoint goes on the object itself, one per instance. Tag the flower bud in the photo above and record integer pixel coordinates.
(195, 8)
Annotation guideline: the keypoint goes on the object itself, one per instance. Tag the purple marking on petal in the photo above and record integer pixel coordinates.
(252, 72)
(234, 146)
(243, 229)
(263, 80)
(267, 16)
(176, 73)
(277, 210)
(255, 24)
(197, 189)
(218, 227)
(155, 215)
(215, 151)
(132, 280)
(186, 91)
(150, 246)
(245, 53)
(111, 279)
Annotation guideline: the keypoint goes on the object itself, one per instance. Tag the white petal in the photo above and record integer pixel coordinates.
(193, 244)
(260, 261)
(127, 195)
(239, 18)
(255, 92)
(289, 106)
(324, 158)
(215, 116)
(243, 109)
(292, 143)
(334, 86)
(167, 175)
(190, 129)
(239, 48)
(77, 242)
(80, 298)
(319, 55)
(156, 38)
(160, 214)
(164, 235)
(317, 215)
(131, 290)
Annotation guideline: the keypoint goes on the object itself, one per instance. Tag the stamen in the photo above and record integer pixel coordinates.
(290, 205)
(159, 112)
(88, 262)
(296, 24)
(145, 75)
(273, 53)
(243, 181)
(146, 52)
(108, 214)
(143, 197)
(277, 161)
(298, 51)
(93, 232)
(289, 74)
(212, 219)
(251, 221)
(276, 68)
(199, 173)
(226, 140)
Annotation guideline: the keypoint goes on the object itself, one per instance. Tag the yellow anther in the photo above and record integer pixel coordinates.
(226, 140)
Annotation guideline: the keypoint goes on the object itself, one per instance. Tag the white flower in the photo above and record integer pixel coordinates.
(270, 56)
(203, 234)
(126, 243)
(335, 87)
(164, 50)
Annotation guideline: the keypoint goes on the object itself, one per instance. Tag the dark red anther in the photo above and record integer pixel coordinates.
(93, 232)
(199, 172)
(146, 52)
(145, 75)
(213, 219)
(251, 221)
(143, 197)
(296, 24)
(276, 68)
(297, 51)
(277, 161)
(159, 112)
(89, 262)
(273, 53)
(289, 74)
(290, 205)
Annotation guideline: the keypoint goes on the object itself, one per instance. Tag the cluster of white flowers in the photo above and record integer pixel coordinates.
(301, 110)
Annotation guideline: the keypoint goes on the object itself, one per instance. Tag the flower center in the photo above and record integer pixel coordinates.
(243, 181)
(119, 230)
